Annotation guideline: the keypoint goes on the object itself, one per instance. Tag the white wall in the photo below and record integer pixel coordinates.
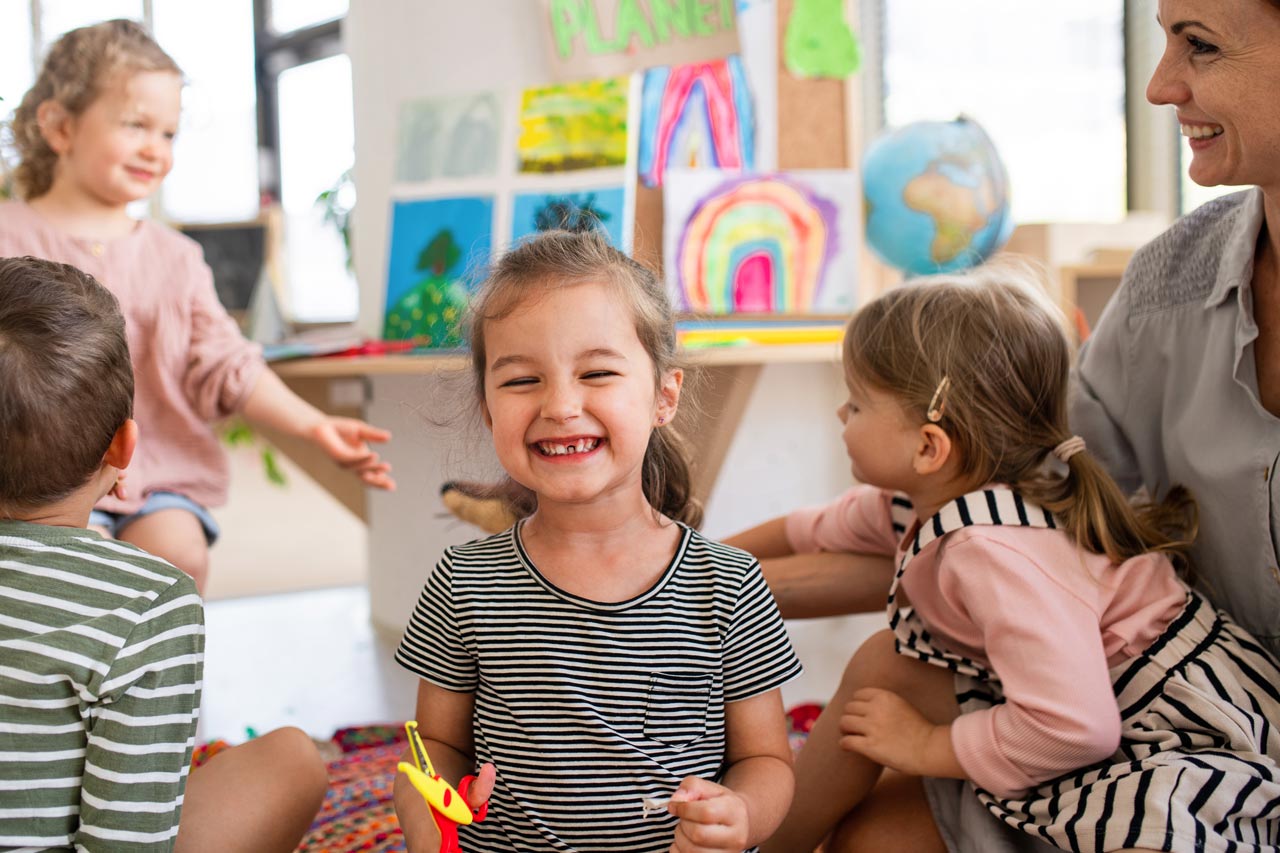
(786, 453)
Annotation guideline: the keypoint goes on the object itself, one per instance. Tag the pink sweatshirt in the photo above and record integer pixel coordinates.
(1048, 618)
(191, 364)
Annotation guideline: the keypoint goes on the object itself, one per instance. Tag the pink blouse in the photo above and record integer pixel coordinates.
(191, 364)
(1048, 618)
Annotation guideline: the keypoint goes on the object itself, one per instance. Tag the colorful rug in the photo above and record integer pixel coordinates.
(358, 811)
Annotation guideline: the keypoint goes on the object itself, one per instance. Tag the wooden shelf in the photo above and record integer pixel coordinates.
(400, 365)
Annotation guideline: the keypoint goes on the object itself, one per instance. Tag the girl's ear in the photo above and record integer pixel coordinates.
(55, 123)
(485, 416)
(669, 396)
(933, 450)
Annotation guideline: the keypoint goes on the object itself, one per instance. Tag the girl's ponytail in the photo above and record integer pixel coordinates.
(667, 478)
(1093, 509)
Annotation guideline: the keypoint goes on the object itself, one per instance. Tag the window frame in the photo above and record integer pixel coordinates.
(275, 53)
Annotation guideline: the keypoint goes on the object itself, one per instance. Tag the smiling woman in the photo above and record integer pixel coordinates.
(1221, 72)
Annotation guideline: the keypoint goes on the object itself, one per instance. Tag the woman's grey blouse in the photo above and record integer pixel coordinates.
(1166, 392)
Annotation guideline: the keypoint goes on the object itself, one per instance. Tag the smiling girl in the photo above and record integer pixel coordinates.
(601, 651)
(94, 134)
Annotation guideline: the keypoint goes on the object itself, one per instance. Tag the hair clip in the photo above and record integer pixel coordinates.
(938, 405)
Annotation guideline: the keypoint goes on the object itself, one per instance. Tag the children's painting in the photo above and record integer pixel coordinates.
(783, 243)
(578, 210)
(437, 248)
(573, 126)
(694, 116)
(449, 137)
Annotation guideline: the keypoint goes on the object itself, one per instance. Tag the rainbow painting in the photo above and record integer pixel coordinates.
(695, 115)
(784, 243)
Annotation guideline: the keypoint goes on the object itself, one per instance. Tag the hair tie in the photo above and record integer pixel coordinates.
(1069, 448)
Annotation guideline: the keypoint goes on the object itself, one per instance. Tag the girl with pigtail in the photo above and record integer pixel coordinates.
(1041, 644)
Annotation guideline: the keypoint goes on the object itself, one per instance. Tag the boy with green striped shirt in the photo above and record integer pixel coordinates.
(101, 644)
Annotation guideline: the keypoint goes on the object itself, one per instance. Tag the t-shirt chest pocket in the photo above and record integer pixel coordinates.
(677, 707)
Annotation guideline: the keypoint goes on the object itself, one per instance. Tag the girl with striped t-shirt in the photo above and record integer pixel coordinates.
(1047, 652)
(601, 651)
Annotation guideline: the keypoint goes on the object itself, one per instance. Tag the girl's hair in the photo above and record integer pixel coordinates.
(557, 259)
(77, 69)
(1000, 344)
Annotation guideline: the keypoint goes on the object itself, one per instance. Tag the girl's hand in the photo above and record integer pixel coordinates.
(712, 817)
(887, 729)
(346, 442)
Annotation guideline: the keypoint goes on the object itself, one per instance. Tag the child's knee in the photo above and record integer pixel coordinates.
(875, 664)
(294, 753)
(174, 535)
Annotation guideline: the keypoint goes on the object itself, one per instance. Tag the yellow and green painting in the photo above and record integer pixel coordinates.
(570, 126)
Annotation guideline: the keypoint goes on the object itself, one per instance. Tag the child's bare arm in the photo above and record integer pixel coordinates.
(815, 584)
(808, 586)
(346, 440)
(444, 722)
(755, 793)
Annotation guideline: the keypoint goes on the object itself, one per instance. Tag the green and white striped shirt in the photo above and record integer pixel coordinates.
(101, 659)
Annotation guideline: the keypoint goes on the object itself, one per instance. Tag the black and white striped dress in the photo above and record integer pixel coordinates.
(586, 707)
(1198, 767)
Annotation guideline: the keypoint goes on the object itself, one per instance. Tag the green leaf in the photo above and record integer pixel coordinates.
(275, 474)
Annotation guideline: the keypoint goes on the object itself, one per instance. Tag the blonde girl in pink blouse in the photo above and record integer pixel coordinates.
(1040, 643)
(94, 134)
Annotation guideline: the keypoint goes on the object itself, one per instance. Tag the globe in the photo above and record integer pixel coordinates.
(936, 196)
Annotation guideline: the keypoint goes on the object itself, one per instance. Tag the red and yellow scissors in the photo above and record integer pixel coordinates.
(449, 808)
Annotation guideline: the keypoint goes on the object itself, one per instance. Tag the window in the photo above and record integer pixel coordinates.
(215, 53)
(1053, 105)
(240, 64)
(215, 158)
(15, 60)
(308, 132)
(290, 15)
(58, 16)
(317, 147)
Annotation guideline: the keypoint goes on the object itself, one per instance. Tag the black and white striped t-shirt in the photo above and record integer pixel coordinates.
(585, 707)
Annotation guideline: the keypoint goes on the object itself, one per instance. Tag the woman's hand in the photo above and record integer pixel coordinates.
(712, 817)
(889, 730)
(345, 440)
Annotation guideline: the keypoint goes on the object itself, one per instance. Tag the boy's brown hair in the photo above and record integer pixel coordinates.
(66, 382)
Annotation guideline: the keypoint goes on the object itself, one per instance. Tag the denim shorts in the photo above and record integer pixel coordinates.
(114, 522)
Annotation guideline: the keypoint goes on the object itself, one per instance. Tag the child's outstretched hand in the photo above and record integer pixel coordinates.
(712, 817)
(346, 442)
(887, 729)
